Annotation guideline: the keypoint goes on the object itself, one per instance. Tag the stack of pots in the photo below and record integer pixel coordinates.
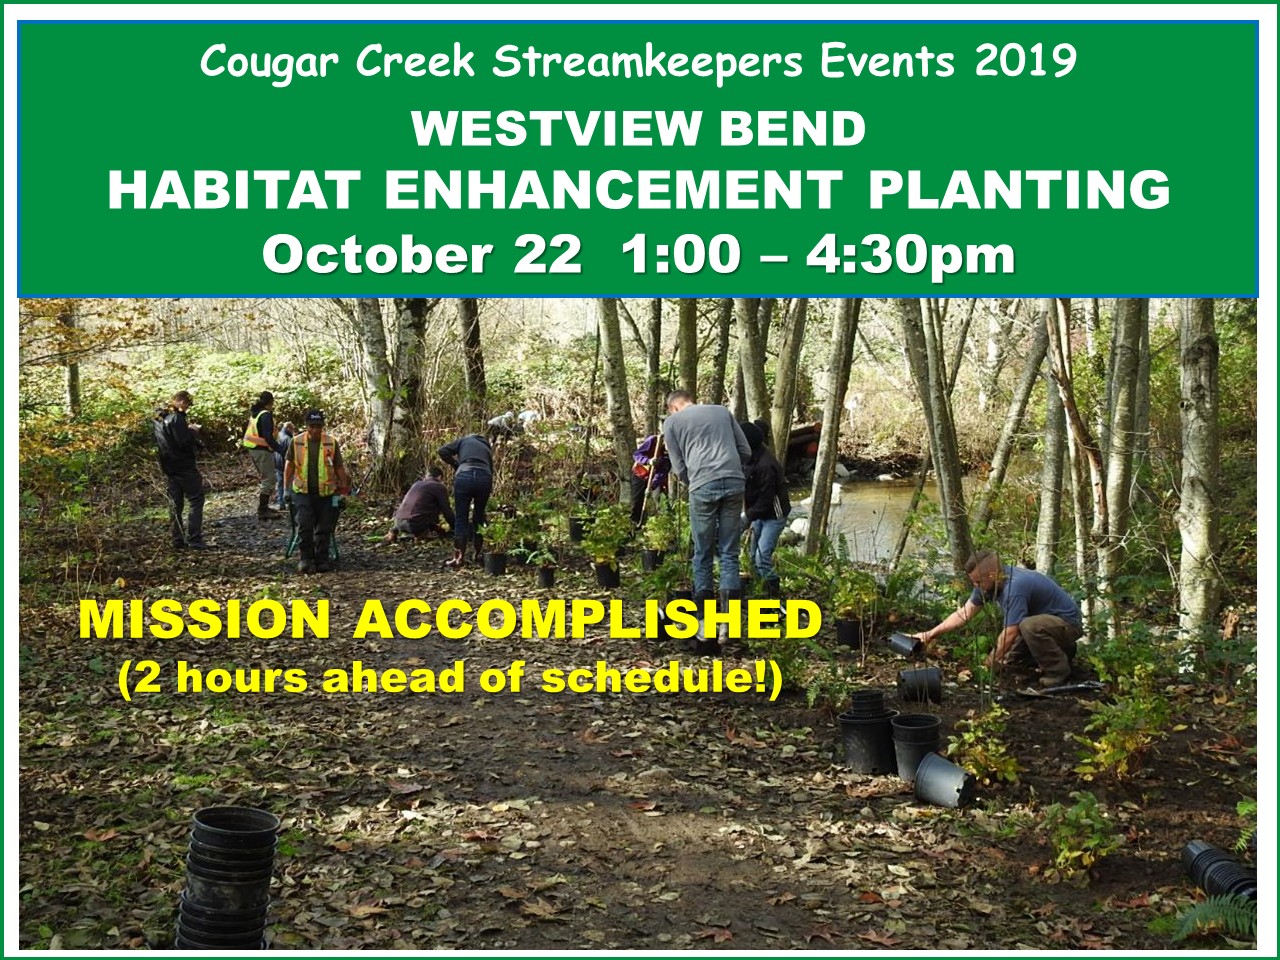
(915, 735)
(230, 861)
(868, 734)
(1216, 872)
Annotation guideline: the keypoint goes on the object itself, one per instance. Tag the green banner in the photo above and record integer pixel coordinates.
(531, 159)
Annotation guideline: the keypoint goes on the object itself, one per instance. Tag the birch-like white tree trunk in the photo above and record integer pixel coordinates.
(617, 398)
(824, 471)
(1199, 583)
(687, 344)
(784, 382)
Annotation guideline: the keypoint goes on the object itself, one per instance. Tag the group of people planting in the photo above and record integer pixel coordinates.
(734, 484)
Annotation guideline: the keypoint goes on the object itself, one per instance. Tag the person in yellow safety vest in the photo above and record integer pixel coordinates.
(313, 474)
(259, 439)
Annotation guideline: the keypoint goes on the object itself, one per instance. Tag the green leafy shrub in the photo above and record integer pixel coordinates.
(1125, 729)
(977, 746)
(1080, 835)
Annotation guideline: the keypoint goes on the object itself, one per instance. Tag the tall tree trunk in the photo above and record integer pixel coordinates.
(784, 381)
(1130, 317)
(824, 471)
(71, 379)
(1198, 579)
(1142, 413)
(472, 357)
(1012, 424)
(1086, 455)
(751, 355)
(402, 457)
(999, 330)
(1049, 525)
(924, 352)
(724, 333)
(653, 357)
(615, 386)
(687, 344)
(377, 372)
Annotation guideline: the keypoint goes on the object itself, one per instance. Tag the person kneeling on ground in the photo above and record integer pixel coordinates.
(1040, 618)
(419, 512)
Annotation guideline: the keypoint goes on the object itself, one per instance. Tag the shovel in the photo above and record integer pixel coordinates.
(1034, 693)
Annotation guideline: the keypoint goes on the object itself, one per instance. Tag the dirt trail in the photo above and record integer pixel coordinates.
(536, 820)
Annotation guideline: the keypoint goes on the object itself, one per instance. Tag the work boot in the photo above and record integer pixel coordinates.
(324, 562)
(264, 508)
(307, 560)
(773, 589)
(459, 559)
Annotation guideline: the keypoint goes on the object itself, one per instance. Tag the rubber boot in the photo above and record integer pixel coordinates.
(459, 560)
(773, 589)
(264, 508)
(307, 559)
(477, 543)
(323, 561)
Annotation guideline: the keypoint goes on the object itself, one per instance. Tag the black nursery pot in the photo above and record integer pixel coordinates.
(867, 704)
(234, 828)
(495, 564)
(868, 743)
(650, 560)
(941, 782)
(915, 736)
(921, 685)
(608, 575)
(906, 645)
(577, 529)
(546, 578)
(849, 633)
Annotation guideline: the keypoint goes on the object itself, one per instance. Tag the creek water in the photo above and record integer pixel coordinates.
(870, 515)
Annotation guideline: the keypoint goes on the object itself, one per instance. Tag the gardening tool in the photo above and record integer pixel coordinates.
(1033, 693)
(648, 482)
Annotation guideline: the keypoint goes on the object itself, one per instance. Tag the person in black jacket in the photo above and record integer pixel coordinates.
(176, 443)
(420, 511)
(767, 506)
(472, 460)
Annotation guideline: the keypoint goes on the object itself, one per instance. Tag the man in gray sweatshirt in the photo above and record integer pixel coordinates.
(708, 450)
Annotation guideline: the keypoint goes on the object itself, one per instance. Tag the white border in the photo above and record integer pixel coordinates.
(1265, 14)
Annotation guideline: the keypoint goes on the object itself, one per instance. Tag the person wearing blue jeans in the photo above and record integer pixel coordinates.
(472, 460)
(708, 450)
(767, 506)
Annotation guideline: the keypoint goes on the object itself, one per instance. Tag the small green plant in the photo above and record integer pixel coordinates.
(670, 575)
(854, 594)
(1080, 836)
(660, 531)
(543, 554)
(1230, 915)
(498, 533)
(830, 687)
(978, 746)
(610, 529)
(1125, 729)
(1248, 811)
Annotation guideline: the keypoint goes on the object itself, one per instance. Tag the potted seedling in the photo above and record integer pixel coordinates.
(854, 599)
(543, 556)
(658, 536)
(498, 533)
(610, 529)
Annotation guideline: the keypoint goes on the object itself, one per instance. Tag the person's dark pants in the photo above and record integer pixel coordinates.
(316, 519)
(187, 486)
(471, 490)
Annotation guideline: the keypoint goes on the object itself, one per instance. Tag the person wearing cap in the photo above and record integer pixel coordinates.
(313, 474)
(472, 460)
(767, 506)
(260, 441)
(177, 442)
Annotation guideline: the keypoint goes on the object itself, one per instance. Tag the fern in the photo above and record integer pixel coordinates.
(1231, 915)
(1248, 809)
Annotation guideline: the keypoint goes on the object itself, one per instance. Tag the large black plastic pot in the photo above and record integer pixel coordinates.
(230, 855)
(849, 633)
(495, 564)
(941, 782)
(915, 735)
(185, 941)
(225, 938)
(251, 871)
(234, 828)
(221, 895)
(546, 578)
(577, 529)
(201, 927)
(921, 685)
(203, 914)
(608, 575)
(651, 559)
(866, 704)
(868, 743)
(906, 645)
